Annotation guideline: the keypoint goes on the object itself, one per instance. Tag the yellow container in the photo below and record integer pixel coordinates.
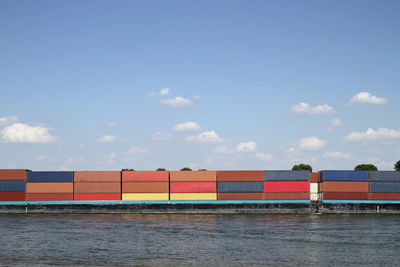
(145, 196)
(193, 196)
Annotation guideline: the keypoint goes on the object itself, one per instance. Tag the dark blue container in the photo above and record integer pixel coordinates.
(384, 176)
(344, 176)
(286, 175)
(240, 187)
(384, 187)
(43, 177)
(12, 186)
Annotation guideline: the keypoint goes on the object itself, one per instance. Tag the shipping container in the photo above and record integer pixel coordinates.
(12, 186)
(97, 187)
(384, 196)
(193, 176)
(314, 188)
(286, 175)
(384, 176)
(345, 195)
(337, 186)
(145, 187)
(240, 187)
(49, 196)
(193, 187)
(97, 176)
(49, 188)
(344, 176)
(50, 176)
(12, 196)
(315, 177)
(193, 196)
(385, 187)
(145, 196)
(240, 196)
(240, 176)
(97, 196)
(288, 196)
(13, 174)
(145, 176)
(287, 186)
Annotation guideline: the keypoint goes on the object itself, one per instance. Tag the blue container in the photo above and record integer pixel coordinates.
(12, 186)
(240, 187)
(384, 187)
(344, 176)
(43, 177)
(384, 176)
(286, 175)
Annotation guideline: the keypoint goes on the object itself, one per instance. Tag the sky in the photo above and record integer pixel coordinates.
(221, 85)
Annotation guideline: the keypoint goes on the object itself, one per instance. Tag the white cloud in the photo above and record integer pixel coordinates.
(164, 91)
(4, 121)
(197, 97)
(223, 149)
(137, 150)
(371, 135)
(337, 155)
(311, 143)
(112, 124)
(187, 126)
(365, 97)
(264, 156)
(177, 102)
(306, 108)
(106, 139)
(159, 136)
(209, 137)
(246, 147)
(73, 161)
(23, 133)
(336, 122)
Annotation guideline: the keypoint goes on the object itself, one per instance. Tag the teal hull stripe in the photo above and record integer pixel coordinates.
(362, 201)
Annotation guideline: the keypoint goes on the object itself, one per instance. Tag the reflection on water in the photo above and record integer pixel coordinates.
(199, 239)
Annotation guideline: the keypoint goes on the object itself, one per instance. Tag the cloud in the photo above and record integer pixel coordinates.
(365, 97)
(337, 155)
(137, 150)
(4, 121)
(264, 156)
(23, 133)
(305, 108)
(336, 122)
(186, 126)
(197, 97)
(246, 147)
(159, 136)
(372, 135)
(311, 143)
(73, 161)
(177, 102)
(106, 139)
(164, 91)
(223, 149)
(112, 124)
(209, 137)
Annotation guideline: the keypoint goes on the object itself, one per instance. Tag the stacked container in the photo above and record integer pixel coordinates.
(12, 185)
(193, 185)
(50, 186)
(97, 185)
(385, 185)
(314, 186)
(344, 185)
(240, 185)
(287, 185)
(145, 185)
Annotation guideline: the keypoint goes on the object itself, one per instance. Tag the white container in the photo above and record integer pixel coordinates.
(314, 196)
(314, 188)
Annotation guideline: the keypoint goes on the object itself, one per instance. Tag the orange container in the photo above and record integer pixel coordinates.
(49, 187)
(145, 187)
(315, 177)
(145, 176)
(193, 176)
(98, 187)
(384, 196)
(293, 195)
(11, 174)
(49, 197)
(240, 176)
(97, 176)
(336, 186)
(240, 196)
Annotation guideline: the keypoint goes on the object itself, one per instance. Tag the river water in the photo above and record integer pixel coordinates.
(224, 240)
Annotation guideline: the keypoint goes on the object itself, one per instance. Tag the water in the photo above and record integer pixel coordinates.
(227, 240)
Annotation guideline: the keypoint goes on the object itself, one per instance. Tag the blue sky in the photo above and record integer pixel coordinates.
(105, 85)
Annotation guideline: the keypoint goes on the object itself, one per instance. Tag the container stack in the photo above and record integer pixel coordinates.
(315, 178)
(145, 185)
(240, 185)
(12, 185)
(193, 185)
(97, 185)
(340, 185)
(385, 185)
(50, 186)
(287, 185)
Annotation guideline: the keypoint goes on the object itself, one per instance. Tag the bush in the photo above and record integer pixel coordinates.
(161, 170)
(365, 167)
(302, 167)
(397, 166)
(202, 170)
(126, 170)
(186, 169)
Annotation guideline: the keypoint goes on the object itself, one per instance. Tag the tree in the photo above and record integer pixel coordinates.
(186, 169)
(302, 167)
(202, 170)
(397, 166)
(365, 167)
(161, 169)
(126, 170)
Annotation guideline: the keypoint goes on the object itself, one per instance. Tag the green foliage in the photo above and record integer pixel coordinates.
(202, 170)
(186, 169)
(397, 166)
(302, 167)
(126, 170)
(365, 167)
(161, 169)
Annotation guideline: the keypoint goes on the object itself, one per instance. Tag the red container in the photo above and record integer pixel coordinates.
(315, 177)
(240, 196)
(97, 196)
(193, 187)
(145, 176)
(287, 186)
(345, 195)
(295, 195)
(336, 186)
(49, 197)
(10, 174)
(240, 176)
(145, 187)
(384, 196)
(97, 187)
(12, 196)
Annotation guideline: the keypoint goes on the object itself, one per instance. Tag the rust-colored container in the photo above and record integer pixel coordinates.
(49, 197)
(13, 174)
(145, 187)
(336, 186)
(145, 176)
(345, 195)
(97, 196)
(49, 187)
(193, 176)
(240, 196)
(12, 196)
(240, 176)
(290, 196)
(315, 177)
(98, 187)
(97, 176)
(385, 196)
(193, 187)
